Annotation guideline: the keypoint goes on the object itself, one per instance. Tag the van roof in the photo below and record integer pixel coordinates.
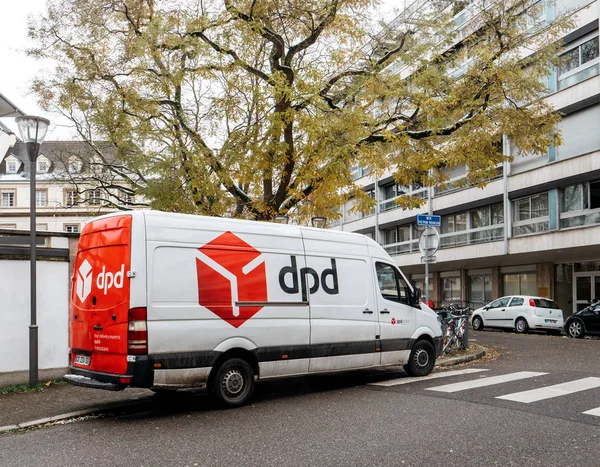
(288, 229)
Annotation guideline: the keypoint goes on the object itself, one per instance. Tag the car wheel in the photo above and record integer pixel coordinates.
(422, 359)
(477, 323)
(521, 326)
(576, 329)
(233, 384)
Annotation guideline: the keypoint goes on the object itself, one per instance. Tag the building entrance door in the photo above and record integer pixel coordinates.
(586, 289)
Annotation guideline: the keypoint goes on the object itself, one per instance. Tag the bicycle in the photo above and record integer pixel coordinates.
(454, 328)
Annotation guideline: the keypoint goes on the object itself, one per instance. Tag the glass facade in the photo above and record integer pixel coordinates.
(519, 284)
(450, 289)
(480, 289)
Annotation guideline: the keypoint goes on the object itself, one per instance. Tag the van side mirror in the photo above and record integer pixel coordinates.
(417, 294)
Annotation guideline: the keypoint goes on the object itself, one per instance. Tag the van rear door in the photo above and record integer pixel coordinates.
(100, 296)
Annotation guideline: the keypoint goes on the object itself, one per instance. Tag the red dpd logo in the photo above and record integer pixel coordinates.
(218, 291)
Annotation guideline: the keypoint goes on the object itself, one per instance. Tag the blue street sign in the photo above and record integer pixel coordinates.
(429, 220)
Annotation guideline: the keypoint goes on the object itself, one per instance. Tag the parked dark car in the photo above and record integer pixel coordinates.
(586, 321)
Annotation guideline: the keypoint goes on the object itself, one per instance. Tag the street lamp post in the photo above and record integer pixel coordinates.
(33, 130)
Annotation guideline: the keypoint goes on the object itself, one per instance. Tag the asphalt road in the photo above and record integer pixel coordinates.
(353, 420)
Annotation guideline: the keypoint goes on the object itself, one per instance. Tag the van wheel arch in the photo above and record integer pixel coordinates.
(417, 364)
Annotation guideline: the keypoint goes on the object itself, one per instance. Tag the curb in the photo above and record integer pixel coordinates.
(447, 361)
(479, 352)
(66, 416)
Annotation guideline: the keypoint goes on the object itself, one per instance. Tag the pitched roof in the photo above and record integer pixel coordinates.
(59, 153)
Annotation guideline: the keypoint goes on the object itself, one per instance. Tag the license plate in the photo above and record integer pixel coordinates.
(553, 321)
(82, 360)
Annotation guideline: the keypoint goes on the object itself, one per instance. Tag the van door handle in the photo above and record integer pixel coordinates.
(367, 311)
(98, 328)
(384, 312)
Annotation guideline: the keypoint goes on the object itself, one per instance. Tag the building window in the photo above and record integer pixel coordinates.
(41, 198)
(41, 226)
(127, 198)
(520, 284)
(482, 221)
(530, 214)
(71, 198)
(358, 172)
(480, 289)
(390, 236)
(401, 239)
(8, 226)
(450, 289)
(72, 228)
(391, 192)
(94, 197)
(451, 224)
(580, 205)
(75, 166)
(579, 63)
(8, 198)
(42, 166)
(11, 167)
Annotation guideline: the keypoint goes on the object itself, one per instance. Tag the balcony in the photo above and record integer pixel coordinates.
(491, 233)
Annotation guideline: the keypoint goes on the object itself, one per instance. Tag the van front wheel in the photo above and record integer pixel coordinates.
(234, 383)
(422, 359)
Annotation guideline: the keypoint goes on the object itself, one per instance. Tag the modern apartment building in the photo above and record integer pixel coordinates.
(535, 229)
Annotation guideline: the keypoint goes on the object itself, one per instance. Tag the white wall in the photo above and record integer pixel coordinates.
(52, 314)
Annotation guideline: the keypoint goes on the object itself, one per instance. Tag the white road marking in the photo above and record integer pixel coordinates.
(595, 412)
(479, 383)
(415, 379)
(557, 390)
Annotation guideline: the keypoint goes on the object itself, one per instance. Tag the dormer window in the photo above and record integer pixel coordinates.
(75, 166)
(11, 167)
(42, 165)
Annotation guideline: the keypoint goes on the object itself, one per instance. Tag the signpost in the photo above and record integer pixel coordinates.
(429, 241)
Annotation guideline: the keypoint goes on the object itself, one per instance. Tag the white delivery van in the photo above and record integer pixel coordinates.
(167, 301)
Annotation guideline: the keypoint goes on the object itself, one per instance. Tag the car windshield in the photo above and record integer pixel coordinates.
(544, 303)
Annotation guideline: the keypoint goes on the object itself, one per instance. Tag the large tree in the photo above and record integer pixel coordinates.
(261, 107)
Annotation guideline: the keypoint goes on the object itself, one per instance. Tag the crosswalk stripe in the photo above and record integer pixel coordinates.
(548, 392)
(595, 412)
(414, 379)
(479, 383)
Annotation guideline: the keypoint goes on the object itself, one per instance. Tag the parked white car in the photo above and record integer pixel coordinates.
(521, 312)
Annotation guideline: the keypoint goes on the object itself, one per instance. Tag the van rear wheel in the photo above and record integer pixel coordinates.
(234, 383)
(422, 359)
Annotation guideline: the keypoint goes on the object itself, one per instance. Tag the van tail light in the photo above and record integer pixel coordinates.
(137, 332)
(532, 302)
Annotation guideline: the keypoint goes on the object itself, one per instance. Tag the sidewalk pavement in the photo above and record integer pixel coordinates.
(64, 401)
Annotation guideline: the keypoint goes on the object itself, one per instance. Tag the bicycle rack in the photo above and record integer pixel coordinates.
(457, 337)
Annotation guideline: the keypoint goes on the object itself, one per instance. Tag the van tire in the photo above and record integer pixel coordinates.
(422, 359)
(233, 384)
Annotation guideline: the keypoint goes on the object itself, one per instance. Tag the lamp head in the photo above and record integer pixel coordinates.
(33, 129)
